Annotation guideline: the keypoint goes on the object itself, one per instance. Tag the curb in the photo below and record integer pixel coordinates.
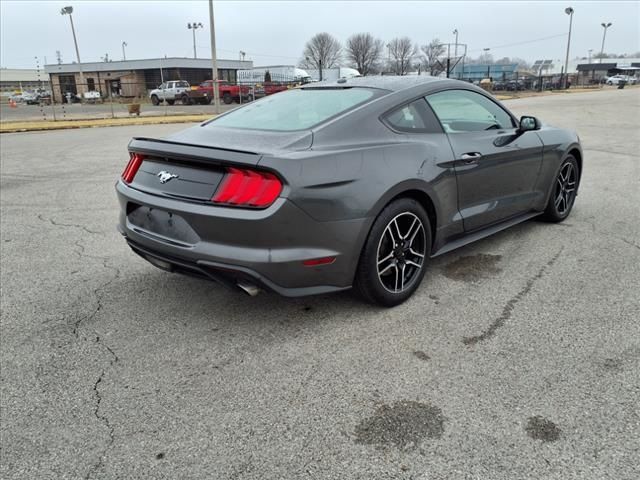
(38, 126)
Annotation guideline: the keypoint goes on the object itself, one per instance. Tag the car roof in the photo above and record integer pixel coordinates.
(394, 83)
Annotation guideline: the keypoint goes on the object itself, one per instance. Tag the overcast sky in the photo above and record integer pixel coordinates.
(275, 32)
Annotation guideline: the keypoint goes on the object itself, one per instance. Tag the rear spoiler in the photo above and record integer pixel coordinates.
(183, 151)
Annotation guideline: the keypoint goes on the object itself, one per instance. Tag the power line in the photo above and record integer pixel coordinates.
(521, 43)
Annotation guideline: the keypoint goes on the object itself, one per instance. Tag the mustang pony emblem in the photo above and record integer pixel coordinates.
(165, 176)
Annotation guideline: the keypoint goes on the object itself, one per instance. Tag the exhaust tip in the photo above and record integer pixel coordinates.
(249, 289)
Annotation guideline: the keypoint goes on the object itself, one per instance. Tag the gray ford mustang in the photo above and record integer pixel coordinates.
(355, 183)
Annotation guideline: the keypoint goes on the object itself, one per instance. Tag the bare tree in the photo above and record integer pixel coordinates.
(364, 51)
(402, 51)
(522, 63)
(432, 51)
(486, 58)
(322, 51)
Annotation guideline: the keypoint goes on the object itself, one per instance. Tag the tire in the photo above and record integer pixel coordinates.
(249, 98)
(389, 273)
(563, 191)
(171, 102)
(227, 98)
(206, 101)
(185, 99)
(155, 100)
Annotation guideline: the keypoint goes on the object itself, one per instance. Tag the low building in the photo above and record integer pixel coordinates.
(133, 78)
(20, 79)
(597, 72)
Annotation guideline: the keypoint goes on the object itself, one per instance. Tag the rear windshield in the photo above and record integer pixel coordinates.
(295, 109)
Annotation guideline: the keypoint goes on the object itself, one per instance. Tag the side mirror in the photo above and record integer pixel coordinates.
(529, 123)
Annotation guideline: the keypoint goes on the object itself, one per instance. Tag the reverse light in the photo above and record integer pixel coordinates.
(132, 167)
(248, 188)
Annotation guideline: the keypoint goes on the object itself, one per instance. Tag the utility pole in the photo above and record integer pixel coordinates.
(486, 51)
(568, 11)
(214, 60)
(124, 55)
(455, 32)
(69, 11)
(604, 35)
(320, 68)
(194, 26)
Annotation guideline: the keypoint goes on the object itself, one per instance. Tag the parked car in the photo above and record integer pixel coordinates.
(168, 91)
(228, 92)
(357, 183)
(616, 79)
(514, 86)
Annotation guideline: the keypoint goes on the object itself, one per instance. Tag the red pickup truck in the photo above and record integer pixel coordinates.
(228, 93)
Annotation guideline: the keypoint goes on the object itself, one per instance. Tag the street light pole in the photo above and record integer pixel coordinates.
(124, 55)
(486, 51)
(455, 32)
(604, 35)
(568, 11)
(69, 11)
(194, 26)
(214, 60)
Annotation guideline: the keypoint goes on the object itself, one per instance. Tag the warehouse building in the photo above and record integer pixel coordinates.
(133, 78)
(18, 79)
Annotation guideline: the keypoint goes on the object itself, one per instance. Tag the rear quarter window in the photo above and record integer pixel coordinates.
(296, 109)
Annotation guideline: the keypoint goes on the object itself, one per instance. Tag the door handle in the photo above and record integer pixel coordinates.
(471, 157)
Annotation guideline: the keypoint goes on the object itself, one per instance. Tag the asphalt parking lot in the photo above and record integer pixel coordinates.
(519, 356)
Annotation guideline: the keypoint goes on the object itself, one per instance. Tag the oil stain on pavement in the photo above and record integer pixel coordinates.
(539, 428)
(421, 355)
(404, 425)
(473, 267)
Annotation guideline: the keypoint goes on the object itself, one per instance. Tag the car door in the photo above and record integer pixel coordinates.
(496, 165)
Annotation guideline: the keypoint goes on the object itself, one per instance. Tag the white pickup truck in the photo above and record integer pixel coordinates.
(169, 92)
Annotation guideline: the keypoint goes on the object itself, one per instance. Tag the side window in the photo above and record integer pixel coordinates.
(466, 111)
(162, 86)
(410, 118)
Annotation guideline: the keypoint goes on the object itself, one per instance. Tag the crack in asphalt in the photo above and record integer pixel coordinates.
(80, 251)
(630, 243)
(97, 292)
(57, 224)
(509, 307)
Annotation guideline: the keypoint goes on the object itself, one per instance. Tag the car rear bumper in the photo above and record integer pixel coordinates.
(231, 245)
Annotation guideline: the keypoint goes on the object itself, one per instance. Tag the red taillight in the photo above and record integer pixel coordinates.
(315, 262)
(132, 168)
(243, 187)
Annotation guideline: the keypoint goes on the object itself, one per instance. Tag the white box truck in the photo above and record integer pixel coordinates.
(333, 74)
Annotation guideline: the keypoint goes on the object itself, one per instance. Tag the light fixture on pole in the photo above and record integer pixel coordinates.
(124, 56)
(604, 35)
(568, 11)
(69, 11)
(241, 55)
(194, 26)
